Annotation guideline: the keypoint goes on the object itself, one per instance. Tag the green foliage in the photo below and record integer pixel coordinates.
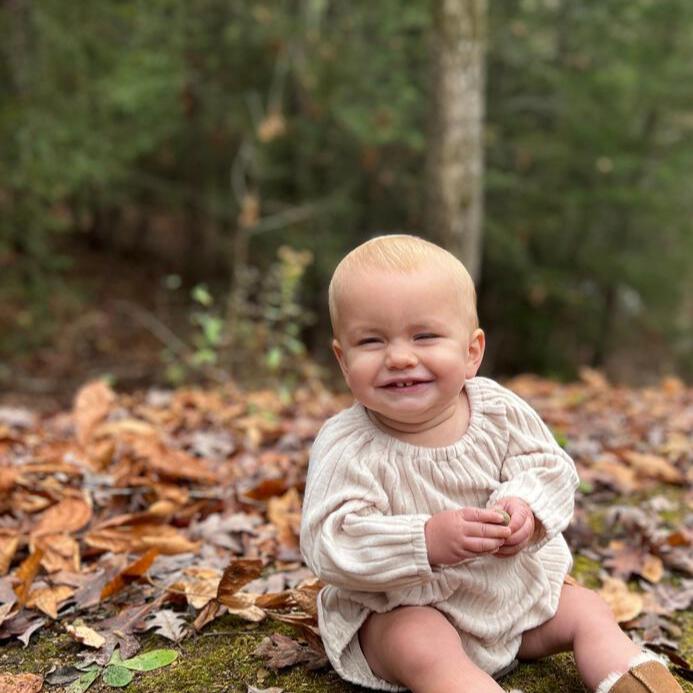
(148, 661)
(117, 676)
(118, 114)
(588, 228)
(118, 672)
(266, 329)
(272, 318)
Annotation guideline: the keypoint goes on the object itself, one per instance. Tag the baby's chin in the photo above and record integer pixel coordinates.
(403, 421)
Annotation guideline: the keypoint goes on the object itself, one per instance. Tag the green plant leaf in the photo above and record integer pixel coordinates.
(115, 659)
(273, 358)
(84, 681)
(155, 659)
(201, 294)
(117, 676)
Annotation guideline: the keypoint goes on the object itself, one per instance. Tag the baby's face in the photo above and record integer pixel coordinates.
(404, 344)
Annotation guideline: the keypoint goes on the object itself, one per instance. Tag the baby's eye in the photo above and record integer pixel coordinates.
(426, 335)
(368, 340)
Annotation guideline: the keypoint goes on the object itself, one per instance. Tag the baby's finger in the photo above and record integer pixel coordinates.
(518, 518)
(522, 534)
(486, 530)
(482, 545)
(482, 515)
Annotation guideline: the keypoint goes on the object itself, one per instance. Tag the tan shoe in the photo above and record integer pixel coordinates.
(648, 677)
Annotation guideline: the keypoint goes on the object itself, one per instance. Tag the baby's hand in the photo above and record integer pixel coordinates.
(521, 525)
(453, 535)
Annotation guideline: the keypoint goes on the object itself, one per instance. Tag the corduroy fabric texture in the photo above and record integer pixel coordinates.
(368, 496)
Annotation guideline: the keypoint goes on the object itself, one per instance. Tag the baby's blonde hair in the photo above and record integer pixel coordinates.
(401, 253)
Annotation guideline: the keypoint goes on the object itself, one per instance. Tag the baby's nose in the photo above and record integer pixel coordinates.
(399, 356)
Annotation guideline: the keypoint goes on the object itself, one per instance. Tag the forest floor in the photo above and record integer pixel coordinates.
(167, 520)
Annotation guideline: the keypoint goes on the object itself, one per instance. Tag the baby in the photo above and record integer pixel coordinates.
(434, 506)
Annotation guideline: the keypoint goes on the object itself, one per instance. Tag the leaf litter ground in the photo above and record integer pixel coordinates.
(169, 519)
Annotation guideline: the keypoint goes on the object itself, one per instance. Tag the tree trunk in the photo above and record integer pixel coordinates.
(455, 142)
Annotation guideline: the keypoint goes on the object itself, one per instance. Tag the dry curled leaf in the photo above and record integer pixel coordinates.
(281, 651)
(131, 572)
(48, 599)
(169, 624)
(26, 574)
(653, 467)
(92, 405)
(84, 634)
(9, 541)
(625, 605)
(69, 515)
(238, 573)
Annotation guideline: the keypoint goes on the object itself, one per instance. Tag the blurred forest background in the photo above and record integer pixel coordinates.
(178, 179)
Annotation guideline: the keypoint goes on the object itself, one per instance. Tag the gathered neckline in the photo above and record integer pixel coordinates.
(474, 426)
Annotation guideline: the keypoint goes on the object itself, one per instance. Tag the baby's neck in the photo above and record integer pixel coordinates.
(444, 428)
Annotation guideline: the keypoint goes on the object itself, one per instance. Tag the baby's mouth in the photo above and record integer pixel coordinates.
(406, 385)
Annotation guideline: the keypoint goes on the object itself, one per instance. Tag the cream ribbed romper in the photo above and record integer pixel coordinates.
(368, 496)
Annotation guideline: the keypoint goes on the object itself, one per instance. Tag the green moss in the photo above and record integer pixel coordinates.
(586, 571)
(596, 521)
(49, 647)
(211, 663)
(557, 673)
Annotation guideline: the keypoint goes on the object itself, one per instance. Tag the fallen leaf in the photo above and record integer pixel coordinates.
(243, 604)
(20, 683)
(652, 569)
(281, 651)
(8, 478)
(624, 604)
(5, 612)
(169, 624)
(85, 680)
(26, 574)
(92, 405)
(171, 463)
(84, 634)
(238, 573)
(60, 552)
(131, 572)
(23, 625)
(138, 538)
(9, 541)
(285, 514)
(148, 661)
(208, 613)
(117, 676)
(201, 585)
(60, 676)
(47, 599)
(628, 560)
(653, 467)
(69, 515)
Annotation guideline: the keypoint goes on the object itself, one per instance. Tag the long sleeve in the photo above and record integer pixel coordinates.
(536, 470)
(348, 537)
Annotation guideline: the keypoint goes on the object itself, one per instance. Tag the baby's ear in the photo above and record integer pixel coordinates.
(475, 353)
(339, 353)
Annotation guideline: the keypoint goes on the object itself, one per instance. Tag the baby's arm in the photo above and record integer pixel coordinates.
(350, 539)
(538, 480)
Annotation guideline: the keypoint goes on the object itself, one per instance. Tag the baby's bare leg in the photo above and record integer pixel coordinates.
(417, 647)
(585, 624)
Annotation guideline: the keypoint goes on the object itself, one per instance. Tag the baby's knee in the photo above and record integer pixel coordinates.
(408, 640)
(591, 607)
